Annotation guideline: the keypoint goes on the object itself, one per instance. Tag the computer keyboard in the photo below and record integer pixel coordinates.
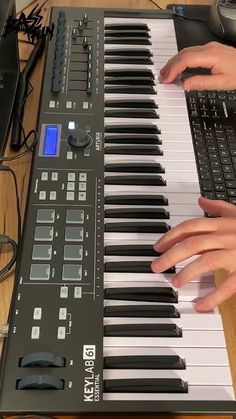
(212, 117)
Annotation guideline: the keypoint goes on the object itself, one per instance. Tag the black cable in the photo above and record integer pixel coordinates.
(156, 4)
(30, 148)
(6, 240)
(180, 16)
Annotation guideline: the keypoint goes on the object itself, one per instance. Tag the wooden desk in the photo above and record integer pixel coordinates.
(8, 216)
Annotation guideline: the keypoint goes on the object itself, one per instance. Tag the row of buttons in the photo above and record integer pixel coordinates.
(41, 272)
(38, 312)
(71, 176)
(61, 332)
(69, 104)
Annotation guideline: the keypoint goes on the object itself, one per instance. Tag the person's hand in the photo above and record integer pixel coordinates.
(213, 239)
(219, 58)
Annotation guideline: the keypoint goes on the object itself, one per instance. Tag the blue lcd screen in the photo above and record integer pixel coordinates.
(50, 140)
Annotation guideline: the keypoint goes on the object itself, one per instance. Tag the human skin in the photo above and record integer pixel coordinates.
(213, 239)
(219, 58)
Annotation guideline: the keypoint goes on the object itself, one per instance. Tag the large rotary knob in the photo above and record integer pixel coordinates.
(78, 137)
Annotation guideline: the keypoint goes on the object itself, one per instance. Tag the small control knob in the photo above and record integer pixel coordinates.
(85, 19)
(78, 137)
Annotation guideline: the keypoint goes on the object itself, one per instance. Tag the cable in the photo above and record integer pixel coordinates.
(30, 148)
(22, 94)
(6, 240)
(178, 15)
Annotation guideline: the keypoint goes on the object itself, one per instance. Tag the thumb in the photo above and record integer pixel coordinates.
(211, 82)
(217, 208)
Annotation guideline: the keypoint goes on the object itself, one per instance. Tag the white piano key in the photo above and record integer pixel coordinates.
(170, 188)
(178, 209)
(168, 155)
(196, 321)
(190, 339)
(193, 356)
(171, 174)
(172, 221)
(183, 307)
(146, 277)
(189, 167)
(206, 376)
(190, 292)
(195, 393)
(163, 122)
(163, 103)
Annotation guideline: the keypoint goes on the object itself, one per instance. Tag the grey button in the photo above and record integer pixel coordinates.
(77, 292)
(70, 196)
(71, 177)
(35, 332)
(42, 195)
(45, 216)
(74, 234)
(44, 176)
(87, 152)
(53, 195)
(83, 177)
(72, 273)
(75, 216)
(42, 252)
(37, 314)
(73, 252)
(62, 313)
(82, 196)
(40, 272)
(54, 176)
(61, 332)
(82, 186)
(64, 292)
(43, 233)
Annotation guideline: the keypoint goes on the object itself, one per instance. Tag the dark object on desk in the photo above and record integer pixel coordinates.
(21, 94)
(9, 70)
(222, 19)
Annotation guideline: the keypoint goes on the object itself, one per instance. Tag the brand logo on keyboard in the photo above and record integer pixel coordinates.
(91, 379)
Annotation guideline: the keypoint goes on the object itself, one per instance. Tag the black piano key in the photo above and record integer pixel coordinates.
(133, 267)
(129, 60)
(144, 180)
(136, 200)
(124, 33)
(138, 362)
(145, 385)
(135, 40)
(133, 90)
(127, 27)
(143, 330)
(133, 139)
(131, 250)
(150, 213)
(131, 113)
(136, 227)
(128, 52)
(134, 129)
(143, 81)
(145, 294)
(146, 150)
(129, 72)
(135, 167)
(130, 103)
(144, 311)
